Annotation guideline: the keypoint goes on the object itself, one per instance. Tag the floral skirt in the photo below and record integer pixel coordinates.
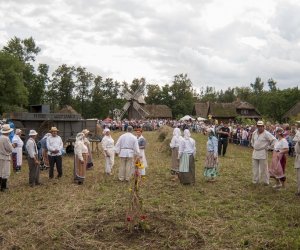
(211, 166)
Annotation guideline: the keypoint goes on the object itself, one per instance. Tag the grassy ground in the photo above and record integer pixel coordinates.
(228, 214)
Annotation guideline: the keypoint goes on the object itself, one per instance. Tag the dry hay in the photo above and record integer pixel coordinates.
(164, 136)
(68, 110)
(159, 232)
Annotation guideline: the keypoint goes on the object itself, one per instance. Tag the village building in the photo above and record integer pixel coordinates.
(293, 112)
(226, 111)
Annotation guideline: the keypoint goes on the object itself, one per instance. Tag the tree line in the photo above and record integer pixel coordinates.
(24, 83)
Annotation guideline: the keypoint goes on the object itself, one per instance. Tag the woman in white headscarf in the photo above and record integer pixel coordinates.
(80, 158)
(186, 154)
(17, 154)
(109, 153)
(211, 162)
(297, 159)
(174, 145)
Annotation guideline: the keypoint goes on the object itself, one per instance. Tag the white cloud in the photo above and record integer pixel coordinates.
(220, 43)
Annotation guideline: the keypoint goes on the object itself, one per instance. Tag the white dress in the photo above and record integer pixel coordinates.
(19, 149)
(108, 146)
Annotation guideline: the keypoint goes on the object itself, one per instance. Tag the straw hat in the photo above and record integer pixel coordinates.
(260, 123)
(54, 129)
(32, 132)
(6, 129)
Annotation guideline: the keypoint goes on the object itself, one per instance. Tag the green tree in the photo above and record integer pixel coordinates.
(257, 86)
(13, 93)
(209, 94)
(61, 88)
(243, 93)
(182, 95)
(26, 51)
(83, 86)
(37, 90)
(154, 94)
(272, 84)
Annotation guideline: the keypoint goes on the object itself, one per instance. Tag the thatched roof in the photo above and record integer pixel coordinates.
(201, 109)
(158, 111)
(293, 111)
(222, 110)
(243, 105)
(68, 110)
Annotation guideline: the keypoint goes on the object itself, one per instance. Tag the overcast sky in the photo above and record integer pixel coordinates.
(220, 43)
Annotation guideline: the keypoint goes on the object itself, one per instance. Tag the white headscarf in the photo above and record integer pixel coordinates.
(186, 134)
(79, 137)
(176, 132)
(297, 136)
(106, 130)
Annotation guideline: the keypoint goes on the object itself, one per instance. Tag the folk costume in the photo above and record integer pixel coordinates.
(174, 145)
(6, 149)
(80, 159)
(277, 166)
(260, 142)
(17, 154)
(296, 139)
(109, 152)
(187, 151)
(142, 145)
(127, 148)
(33, 163)
(211, 161)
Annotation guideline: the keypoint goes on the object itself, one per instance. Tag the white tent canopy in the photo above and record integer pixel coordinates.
(201, 119)
(187, 118)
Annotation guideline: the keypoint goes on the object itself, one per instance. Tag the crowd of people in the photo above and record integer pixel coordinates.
(131, 147)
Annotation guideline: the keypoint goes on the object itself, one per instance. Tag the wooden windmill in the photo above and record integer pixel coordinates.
(134, 104)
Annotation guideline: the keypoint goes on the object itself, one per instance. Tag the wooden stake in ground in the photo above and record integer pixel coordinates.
(134, 216)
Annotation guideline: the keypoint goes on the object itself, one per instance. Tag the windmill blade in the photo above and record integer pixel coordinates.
(140, 109)
(139, 91)
(128, 96)
(124, 110)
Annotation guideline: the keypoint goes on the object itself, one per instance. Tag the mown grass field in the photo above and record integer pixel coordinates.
(228, 214)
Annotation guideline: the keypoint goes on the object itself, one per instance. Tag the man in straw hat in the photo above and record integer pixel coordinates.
(55, 147)
(6, 149)
(261, 140)
(33, 162)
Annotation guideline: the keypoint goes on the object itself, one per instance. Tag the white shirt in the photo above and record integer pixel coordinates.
(187, 146)
(54, 143)
(79, 149)
(17, 140)
(127, 145)
(107, 142)
(31, 148)
(281, 144)
(260, 143)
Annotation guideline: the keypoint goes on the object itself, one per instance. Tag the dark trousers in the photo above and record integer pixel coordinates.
(223, 142)
(52, 161)
(34, 172)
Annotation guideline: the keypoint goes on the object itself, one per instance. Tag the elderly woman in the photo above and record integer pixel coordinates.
(6, 149)
(211, 162)
(186, 154)
(109, 152)
(80, 159)
(17, 154)
(174, 145)
(297, 159)
(89, 163)
(277, 168)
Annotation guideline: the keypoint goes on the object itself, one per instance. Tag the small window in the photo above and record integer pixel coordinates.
(244, 111)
